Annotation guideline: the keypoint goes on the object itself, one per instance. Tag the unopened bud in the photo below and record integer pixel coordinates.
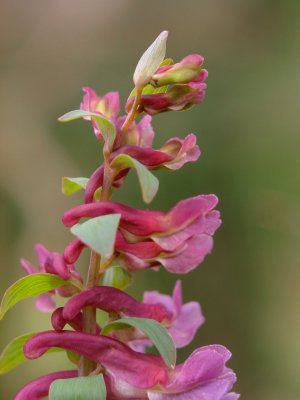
(150, 61)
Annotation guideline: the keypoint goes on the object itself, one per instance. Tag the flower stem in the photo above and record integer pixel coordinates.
(132, 113)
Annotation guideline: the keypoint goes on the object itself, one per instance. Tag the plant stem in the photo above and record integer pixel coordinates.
(95, 271)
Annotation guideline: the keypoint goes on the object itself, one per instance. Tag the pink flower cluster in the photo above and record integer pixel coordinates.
(178, 240)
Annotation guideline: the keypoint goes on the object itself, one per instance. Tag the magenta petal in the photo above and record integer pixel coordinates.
(194, 252)
(73, 251)
(146, 132)
(45, 303)
(55, 264)
(39, 388)
(42, 253)
(118, 358)
(113, 300)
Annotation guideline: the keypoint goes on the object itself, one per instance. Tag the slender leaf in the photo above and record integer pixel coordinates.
(13, 354)
(31, 285)
(148, 182)
(99, 233)
(73, 185)
(82, 388)
(156, 332)
(105, 126)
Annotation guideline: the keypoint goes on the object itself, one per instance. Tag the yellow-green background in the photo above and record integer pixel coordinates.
(248, 130)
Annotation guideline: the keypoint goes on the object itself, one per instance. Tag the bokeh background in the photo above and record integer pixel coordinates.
(248, 130)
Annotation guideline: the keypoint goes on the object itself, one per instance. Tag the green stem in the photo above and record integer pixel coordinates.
(96, 269)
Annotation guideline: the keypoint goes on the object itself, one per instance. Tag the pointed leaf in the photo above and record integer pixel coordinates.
(150, 60)
(31, 285)
(99, 234)
(148, 182)
(82, 388)
(73, 185)
(156, 332)
(13, 354)
(105, 126)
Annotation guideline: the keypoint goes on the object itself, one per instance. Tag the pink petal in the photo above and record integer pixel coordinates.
(45, 303)
(186, 324)
(203, 365)
(28, 267)
(190, 257)
(39, 387)
(118, 358)
(183, 151)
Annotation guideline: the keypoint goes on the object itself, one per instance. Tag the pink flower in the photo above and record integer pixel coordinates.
(187, 80)
(133, 375)
(186, 71)
(51, 263)
(185, 318)
(179, 240)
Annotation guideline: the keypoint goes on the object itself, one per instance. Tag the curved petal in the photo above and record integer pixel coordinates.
(39, 387)
(118, 358)
(113, 300)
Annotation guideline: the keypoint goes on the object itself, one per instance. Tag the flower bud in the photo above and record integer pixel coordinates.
(150, 61)
(187, 70)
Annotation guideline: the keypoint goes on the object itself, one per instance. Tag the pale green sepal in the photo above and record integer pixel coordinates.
(73, 185)
(31, 285)
(148, 182)
(117, 277)
(105, 126)
(155, 332)
(99, 234)
(81, 388)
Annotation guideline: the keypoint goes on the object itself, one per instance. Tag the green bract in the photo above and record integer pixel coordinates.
(155, 332)
(148, 182)
(73, 185)
(99, 234)
(82, 388)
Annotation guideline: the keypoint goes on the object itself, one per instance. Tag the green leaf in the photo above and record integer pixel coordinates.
(99, 234)
(156, 332)
(82, 388)
(117, 277)
(13, 355)
(73, 185)
(31, 285)
(148, 182)
(105, 126)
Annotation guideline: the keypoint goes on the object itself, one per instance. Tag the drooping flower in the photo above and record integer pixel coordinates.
(179, 240)
(52, 263)
(203, 376)
(114, 301)
(187, 80)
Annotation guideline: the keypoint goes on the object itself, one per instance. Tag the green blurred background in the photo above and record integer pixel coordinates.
(248, 130)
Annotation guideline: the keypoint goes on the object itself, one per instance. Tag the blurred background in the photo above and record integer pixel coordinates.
(248, 130)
